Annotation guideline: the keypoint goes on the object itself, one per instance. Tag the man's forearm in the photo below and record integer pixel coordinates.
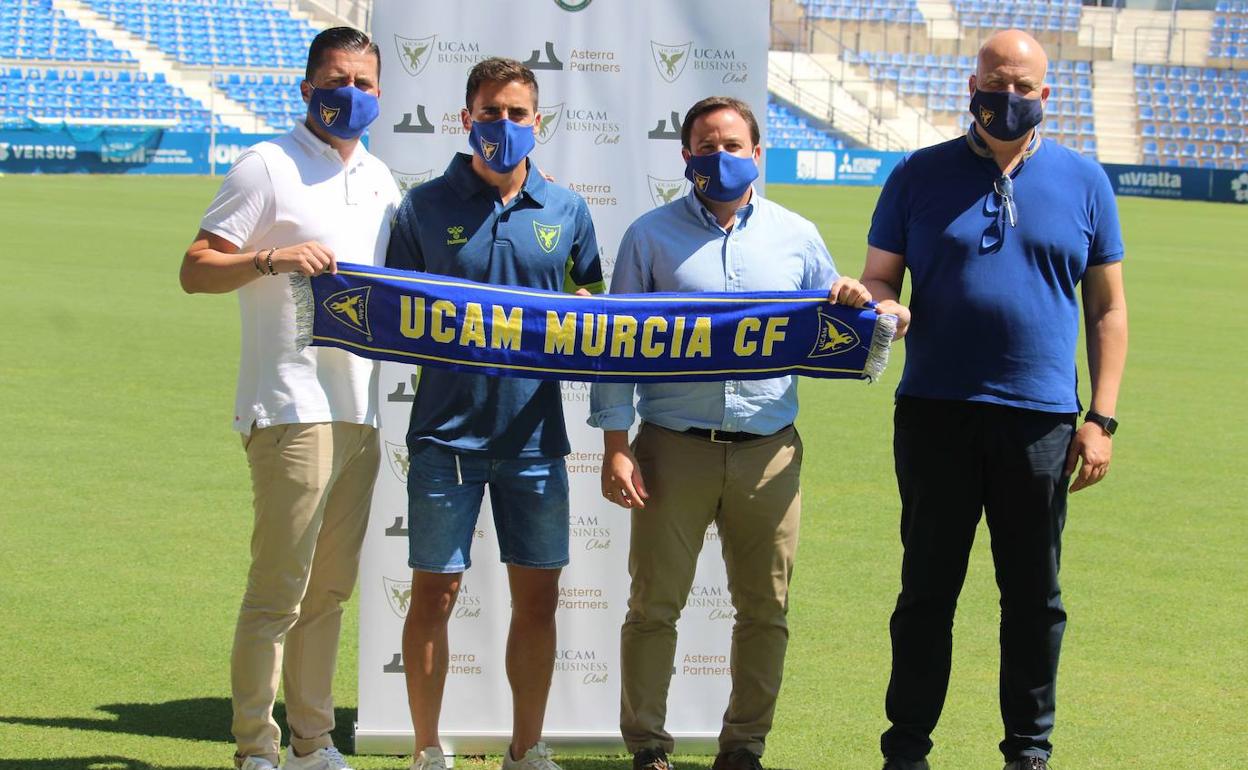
(216, 272)
(1107, 358)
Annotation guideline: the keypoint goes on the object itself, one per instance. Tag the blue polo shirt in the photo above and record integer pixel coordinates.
(995, 314)
(544, 238)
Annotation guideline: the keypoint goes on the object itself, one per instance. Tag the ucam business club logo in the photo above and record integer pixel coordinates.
(588, 531)
(399, 460)
(573, 5)
(407, 181)
(671, 61)
(584, 662)
(664, 191)
(834, 337)
(579, 121)
(349, 307)
(398, 595)
(417, 52)
(711, 599)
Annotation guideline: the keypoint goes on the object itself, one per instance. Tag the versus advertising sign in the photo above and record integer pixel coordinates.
(841, 167)
(119, 151)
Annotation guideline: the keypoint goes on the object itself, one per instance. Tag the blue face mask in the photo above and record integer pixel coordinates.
(721, 176)
(1005, 115)
(344, 112)
(503, 144)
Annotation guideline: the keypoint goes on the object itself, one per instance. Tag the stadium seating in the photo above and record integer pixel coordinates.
(939, 84)
(273, 97)
(888, 11)
(71, 95)
(1228, 39)
(34, 30)
(1192, 116)
(788, 129)
(1034, 15)
(232, 33)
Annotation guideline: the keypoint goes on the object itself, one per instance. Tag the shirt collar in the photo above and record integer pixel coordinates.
(981, 148)
(314, 146)
(465, 182)
(699, 211)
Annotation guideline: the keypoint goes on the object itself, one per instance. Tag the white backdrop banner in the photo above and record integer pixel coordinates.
(615, 78)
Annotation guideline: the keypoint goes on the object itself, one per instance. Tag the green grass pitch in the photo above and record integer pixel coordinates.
(125, 511)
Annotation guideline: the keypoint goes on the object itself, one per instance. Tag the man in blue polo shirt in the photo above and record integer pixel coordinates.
(491, 217)
(997, 229)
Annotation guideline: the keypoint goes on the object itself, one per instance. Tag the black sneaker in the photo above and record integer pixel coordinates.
(897, 763)
(1027, 763)
(651, 759)
(737, 759)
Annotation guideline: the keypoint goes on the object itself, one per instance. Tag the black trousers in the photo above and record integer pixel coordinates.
(955, 459)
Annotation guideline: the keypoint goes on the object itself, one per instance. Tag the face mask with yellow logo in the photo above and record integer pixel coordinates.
(344, 112)
(1006, 115)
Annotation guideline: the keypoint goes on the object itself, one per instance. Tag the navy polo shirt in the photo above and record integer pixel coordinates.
(544, 238)
(995, 315)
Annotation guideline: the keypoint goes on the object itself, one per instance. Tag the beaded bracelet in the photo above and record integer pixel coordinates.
(268, 260)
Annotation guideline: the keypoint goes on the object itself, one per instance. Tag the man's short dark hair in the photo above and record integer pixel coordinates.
(499, 71)
(711, 104)
(339, 39)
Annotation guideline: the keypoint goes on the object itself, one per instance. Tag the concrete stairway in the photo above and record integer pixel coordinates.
(196, 83)
(1097, 30)
(941, 19)
(1114, 110)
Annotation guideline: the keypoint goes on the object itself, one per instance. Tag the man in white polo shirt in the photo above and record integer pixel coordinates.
(297, 204)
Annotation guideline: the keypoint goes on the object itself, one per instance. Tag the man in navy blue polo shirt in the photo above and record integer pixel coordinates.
(491, 217)
(997, 229)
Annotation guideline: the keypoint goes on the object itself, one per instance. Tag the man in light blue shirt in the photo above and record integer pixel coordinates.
(723, 452)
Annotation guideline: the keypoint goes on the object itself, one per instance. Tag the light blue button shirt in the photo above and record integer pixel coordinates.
(681, 247)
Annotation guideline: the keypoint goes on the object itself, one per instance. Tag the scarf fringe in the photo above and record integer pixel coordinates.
(305, 309)
(881, 340)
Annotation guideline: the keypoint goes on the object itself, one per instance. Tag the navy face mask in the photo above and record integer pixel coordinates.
(721, 176)
(1005, 115)
(345, 111)
(502, 143)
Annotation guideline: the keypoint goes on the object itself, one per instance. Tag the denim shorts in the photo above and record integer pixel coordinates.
(529, 497)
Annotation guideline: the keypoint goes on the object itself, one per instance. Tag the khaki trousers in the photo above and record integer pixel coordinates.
(750, 489)
(312, 484)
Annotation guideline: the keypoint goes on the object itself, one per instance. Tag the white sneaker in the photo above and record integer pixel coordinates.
(536, 758)
(430, 758)
(328, 758)
(256, 763)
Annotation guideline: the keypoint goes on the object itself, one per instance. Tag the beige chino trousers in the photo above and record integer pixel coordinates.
(750, 489)
(312, 484)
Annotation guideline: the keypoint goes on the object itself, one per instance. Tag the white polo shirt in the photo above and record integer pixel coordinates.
(283, 192)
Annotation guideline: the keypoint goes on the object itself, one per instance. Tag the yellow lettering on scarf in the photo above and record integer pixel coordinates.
(651, 326)
(774, 333)
(700, 338)
(678, 336)
(412, 317)
(623, 334)
(560, 332)
(741, 346)
(506, 328)
(438, 313)
(473, 330)
(593, 334)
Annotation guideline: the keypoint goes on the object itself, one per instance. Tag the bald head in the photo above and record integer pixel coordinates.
(1011, 58)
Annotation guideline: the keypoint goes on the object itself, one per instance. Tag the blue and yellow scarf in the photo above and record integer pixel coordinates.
(433, 320)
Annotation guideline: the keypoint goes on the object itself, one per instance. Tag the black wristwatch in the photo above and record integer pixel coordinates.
(1108, 424)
